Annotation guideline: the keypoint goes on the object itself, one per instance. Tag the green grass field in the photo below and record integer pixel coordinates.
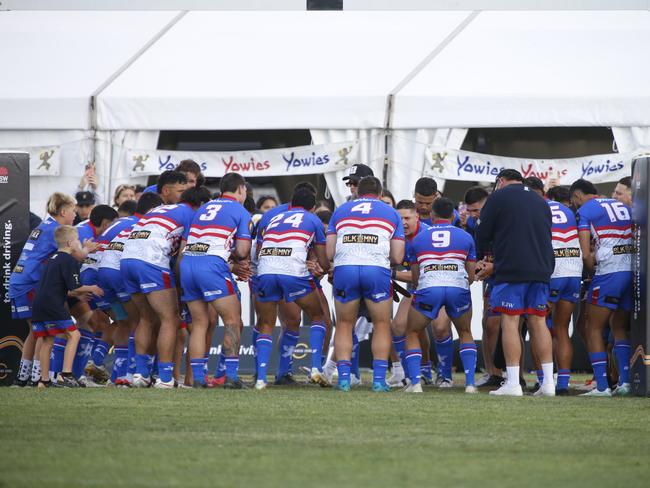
(309, 436)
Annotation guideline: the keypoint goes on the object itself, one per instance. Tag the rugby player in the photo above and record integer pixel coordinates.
(609, 222)
(189, 168)
(283, 247)
(148, 276)
(364, 237)
(623, 191)
(446, 258)
(220, 229)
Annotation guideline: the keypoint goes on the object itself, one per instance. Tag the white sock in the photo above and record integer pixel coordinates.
(397, 368)
(36, 370)
(513, 375)
(25, 369)
(547, 368)
(330, 366)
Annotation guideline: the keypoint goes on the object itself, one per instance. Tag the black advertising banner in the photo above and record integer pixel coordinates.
(640, 362)
(14, 228)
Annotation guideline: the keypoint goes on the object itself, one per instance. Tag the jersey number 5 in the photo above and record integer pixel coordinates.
(558, 216)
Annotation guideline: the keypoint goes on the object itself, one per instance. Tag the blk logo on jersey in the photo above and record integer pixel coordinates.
(360, 239)
(276, 251)
(140, 234)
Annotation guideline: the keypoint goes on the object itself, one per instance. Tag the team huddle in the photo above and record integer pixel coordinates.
(149, 283)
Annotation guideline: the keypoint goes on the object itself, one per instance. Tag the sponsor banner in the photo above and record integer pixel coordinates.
(301, 160)
(450, 164)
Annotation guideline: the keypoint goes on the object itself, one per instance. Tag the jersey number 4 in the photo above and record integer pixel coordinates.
(364, 208)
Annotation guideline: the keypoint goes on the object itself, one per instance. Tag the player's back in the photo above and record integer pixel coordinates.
(115, 237)
(364, 228)
(39, 247)
(566, 246)
(285, 241)
(610, 223)
(87, 231)
(441, 253)
(215, 226)
(157, 235)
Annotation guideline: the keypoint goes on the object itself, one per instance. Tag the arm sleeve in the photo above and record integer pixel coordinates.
(399, 227)
(485, 225)
(331, 227)
(70, 271)
(243, 230)
(319, 233)
(187, 224)
(584, 222)
(471, 254)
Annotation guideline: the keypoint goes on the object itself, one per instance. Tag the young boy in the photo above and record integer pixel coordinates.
(60, 280)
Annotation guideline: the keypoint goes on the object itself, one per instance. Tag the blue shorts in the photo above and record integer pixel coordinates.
(254, 284)
(110, 280)
(89, 277)
(530, 298)
(565, 289)
(355, 282)
(613, 290)
(276, 287)
(141, 277)
(52, 327)
(489, 286)
(206, 278)
(21, 306)
(429, 301)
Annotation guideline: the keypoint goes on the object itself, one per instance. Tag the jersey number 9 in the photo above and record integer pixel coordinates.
(441, 238)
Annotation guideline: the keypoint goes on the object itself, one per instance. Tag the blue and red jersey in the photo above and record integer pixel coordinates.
(566, 246)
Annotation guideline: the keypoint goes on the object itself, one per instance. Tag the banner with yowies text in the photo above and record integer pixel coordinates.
(269, 162)
(450, 164)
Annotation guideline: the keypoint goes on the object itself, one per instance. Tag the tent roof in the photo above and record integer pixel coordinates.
(529, 69)
(273, 70)
(52, 62)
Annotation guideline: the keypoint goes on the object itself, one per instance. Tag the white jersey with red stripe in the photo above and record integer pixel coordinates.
(216, 226)
(285, 241)
(610, 224)
(87, 231)
(156, 237)
(566, 246)
(364, 228)
(441, 253)
(115, 236)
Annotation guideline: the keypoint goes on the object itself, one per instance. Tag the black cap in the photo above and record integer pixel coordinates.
(510, 174)
(358, 171)
(85, 198)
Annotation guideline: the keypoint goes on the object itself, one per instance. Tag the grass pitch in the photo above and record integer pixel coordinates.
(309, 436)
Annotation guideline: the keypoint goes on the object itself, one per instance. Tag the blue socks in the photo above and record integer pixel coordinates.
(131, 357)
(563, 376)
(445, 351)
(84, 351)
(343, 368)
(142, 365)
(220, 372)
(354, 359)
(288, 343)
(263, 347)
(166, 371)
(599, 364)
(316, 339)
(540, 376)
(413, 358)
(56, 358)
(198, 370)
(468, 358)
(254, 337)
(622, 354)
(425, 370)
(399, 342)
(120, 363)
(379, 367)
(232, 367)
(100, 351)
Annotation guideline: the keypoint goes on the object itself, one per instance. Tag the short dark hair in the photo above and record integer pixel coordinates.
(148, 201)
(475, 194)
(230, 182)
(585, 186)
(189, 166)
(443, 208)
(510, 175)
(249, 205)
(170, 177)
(534, 183)
(138, 188)
(303, 198)
(305, 184)
(324, 215)
(626, 181)
(426, 186)
(196, 196)
(128, 207)
(101, 213)
(559, 193)
(369, 185)
(264, 198)
(405, 204)
(387, 193)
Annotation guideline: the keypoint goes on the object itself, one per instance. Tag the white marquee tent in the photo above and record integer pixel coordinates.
(73, 78)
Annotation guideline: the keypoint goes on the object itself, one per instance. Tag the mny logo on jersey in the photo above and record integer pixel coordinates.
(140, 234)
(624, 249)
(567, 252)
(440, 267)
(115, 246)
(198, 247)
(276, 251)
(360, 239)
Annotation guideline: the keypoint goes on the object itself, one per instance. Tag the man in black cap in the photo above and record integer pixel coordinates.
(85, 204)
(516, 221)
(357, 171)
